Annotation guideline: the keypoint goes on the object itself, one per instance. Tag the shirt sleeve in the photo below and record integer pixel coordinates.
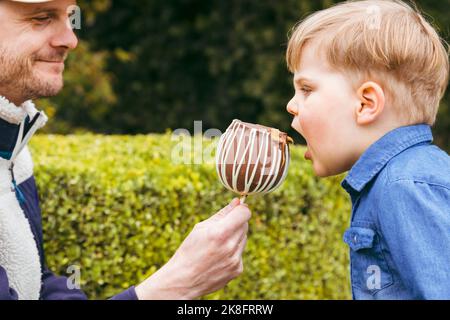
(129, 294)
(414, 218)
(6, 293)
(55, 288)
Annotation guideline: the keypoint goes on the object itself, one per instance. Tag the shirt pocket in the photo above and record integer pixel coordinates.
(369, 270)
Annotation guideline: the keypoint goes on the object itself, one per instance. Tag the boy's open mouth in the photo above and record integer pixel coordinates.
(308, 155)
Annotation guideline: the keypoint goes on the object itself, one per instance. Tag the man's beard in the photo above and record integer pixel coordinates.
(17, 76)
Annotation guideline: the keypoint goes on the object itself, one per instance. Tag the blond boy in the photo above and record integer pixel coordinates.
(368, 78)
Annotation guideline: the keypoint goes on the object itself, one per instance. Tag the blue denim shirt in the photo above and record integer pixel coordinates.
(399, 236)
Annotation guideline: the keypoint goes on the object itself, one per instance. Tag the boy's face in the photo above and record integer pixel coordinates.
(324, 114)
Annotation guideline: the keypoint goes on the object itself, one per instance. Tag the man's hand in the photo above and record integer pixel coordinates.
(209, 258)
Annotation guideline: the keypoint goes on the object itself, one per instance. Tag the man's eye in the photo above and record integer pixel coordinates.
(42, 19)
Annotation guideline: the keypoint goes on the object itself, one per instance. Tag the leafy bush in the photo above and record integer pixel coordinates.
(118, 207)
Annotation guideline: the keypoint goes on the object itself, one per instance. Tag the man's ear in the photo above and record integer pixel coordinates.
(372, 101)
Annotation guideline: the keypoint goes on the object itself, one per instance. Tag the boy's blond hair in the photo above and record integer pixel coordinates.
(385, 41)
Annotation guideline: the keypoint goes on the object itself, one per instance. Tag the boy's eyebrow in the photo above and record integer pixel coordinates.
(299, 79)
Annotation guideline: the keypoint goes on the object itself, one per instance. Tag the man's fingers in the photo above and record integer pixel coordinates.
(240, 239)
(225, 210)
(242, 245)
(240, 234)
(235, 219)
(237, 256)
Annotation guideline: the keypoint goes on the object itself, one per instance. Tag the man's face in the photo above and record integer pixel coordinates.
(323, 108)
(34, 42)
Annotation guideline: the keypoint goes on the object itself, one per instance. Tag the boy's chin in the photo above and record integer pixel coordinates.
(323, 172)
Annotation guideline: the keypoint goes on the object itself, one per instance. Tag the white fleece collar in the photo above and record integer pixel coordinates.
(19, 254)
(16, 114)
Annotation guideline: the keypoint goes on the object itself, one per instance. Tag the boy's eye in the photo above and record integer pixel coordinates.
(305, 90)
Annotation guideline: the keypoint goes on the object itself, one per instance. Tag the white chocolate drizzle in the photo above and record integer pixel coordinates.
(259, 138)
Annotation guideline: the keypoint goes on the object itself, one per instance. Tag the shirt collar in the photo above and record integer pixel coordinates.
(379, 153)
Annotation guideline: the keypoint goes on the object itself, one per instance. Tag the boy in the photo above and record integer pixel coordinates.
(368, 78)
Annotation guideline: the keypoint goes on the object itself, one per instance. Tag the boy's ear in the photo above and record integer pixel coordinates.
(372, 100)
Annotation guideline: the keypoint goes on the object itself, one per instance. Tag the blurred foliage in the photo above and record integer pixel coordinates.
(87, 97)
(118, 207)
(145, 66)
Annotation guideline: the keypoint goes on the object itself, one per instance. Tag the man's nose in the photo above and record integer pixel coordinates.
(65, 37)
(292, 107)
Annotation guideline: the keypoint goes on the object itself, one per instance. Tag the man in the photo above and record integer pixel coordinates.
(35, 39)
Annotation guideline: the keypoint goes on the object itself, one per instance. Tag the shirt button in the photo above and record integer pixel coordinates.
(355, 239)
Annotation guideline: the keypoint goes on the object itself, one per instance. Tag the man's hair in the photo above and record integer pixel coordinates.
(386, 41)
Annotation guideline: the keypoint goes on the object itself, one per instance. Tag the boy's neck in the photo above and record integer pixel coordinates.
(372, 134)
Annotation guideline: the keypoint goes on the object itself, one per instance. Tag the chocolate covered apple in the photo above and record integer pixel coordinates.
(252, 159)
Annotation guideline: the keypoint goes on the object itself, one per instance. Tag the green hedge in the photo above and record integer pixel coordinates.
(118, 207)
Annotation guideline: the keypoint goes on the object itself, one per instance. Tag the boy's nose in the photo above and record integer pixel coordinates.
(292, 107)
